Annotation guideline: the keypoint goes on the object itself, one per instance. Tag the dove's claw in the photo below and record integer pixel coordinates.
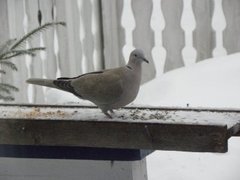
(108, 115)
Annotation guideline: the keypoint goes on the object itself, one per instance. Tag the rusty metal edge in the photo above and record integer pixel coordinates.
(165, 146)
(196, 109)
(234, 130)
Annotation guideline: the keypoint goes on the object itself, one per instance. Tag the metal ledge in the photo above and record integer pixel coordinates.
(39, 126)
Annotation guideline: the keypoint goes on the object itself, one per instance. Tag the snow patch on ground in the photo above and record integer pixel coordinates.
(210, 83)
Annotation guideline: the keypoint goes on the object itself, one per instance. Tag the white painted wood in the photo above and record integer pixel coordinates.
(168, 17)
(50, 61)
(128, 23)
(16, 30)
(158, 24)
(74, 44)
(4, 30)
(97, 31)
(4, 36)
(231, 38)
(143, 35)
(113, 33)
(188, 24)
(88, 44)
(173, 35)
(218, 24)
(46, 169)
(36, 64)
(8, 77)
(203, 35)
(62, 39)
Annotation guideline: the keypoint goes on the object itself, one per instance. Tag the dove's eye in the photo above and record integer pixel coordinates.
(135, 55)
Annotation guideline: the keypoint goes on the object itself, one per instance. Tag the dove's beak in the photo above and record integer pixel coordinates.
(144, 59)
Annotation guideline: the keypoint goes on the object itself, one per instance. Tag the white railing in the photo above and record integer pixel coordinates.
(101, 34)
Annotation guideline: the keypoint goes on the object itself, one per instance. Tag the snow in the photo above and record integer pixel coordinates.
(150, 115)
(210, 83)
(167, 165)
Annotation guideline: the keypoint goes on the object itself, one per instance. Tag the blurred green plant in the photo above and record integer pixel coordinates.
(14, 48)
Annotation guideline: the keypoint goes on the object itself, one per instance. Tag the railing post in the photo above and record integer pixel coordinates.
(231, 38)
(173, 34)
(143, 35)
(5, 35)
(113, 33)
(4, 30)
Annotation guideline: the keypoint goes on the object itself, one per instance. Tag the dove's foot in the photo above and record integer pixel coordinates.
(105, 111)
(108, 115)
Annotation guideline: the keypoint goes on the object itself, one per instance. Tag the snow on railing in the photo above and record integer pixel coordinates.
(101, 33)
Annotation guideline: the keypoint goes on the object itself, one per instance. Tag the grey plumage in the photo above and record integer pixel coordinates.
(108, 89)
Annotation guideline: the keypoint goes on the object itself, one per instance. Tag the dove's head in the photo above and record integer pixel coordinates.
(137, 57)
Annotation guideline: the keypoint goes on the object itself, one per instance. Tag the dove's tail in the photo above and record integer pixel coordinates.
(42, 82)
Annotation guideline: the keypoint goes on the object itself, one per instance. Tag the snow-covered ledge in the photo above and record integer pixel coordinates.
(182, 129)
(83, 132)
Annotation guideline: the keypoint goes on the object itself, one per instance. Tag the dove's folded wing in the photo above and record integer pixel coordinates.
(100, 88)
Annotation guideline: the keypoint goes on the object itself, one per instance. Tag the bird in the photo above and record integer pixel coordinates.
(108, 89)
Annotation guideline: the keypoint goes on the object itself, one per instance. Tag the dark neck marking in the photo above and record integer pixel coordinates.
(129, 67)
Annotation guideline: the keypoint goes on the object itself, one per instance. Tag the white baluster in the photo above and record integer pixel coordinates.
(28, 59)
(231, 38)
(128, 23)
(50, 61)
(203, 34)
(74, 44)
(97, 35)
(219, 24)
(143, 35)
(36, 66)
(173, 34)
(81, 37)
(188, 24)
(86, 15)
(158, 24)
(16, 29)
(114, 35)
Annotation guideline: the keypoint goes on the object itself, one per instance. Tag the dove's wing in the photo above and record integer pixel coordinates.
(104, 87)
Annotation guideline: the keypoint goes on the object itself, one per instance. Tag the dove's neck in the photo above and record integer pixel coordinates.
(135, 65)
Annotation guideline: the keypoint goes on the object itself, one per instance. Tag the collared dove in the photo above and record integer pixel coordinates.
(108, 89)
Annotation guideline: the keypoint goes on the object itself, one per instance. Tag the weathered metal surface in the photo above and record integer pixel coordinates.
(114, 135)
(234, 130)
(129, 129)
